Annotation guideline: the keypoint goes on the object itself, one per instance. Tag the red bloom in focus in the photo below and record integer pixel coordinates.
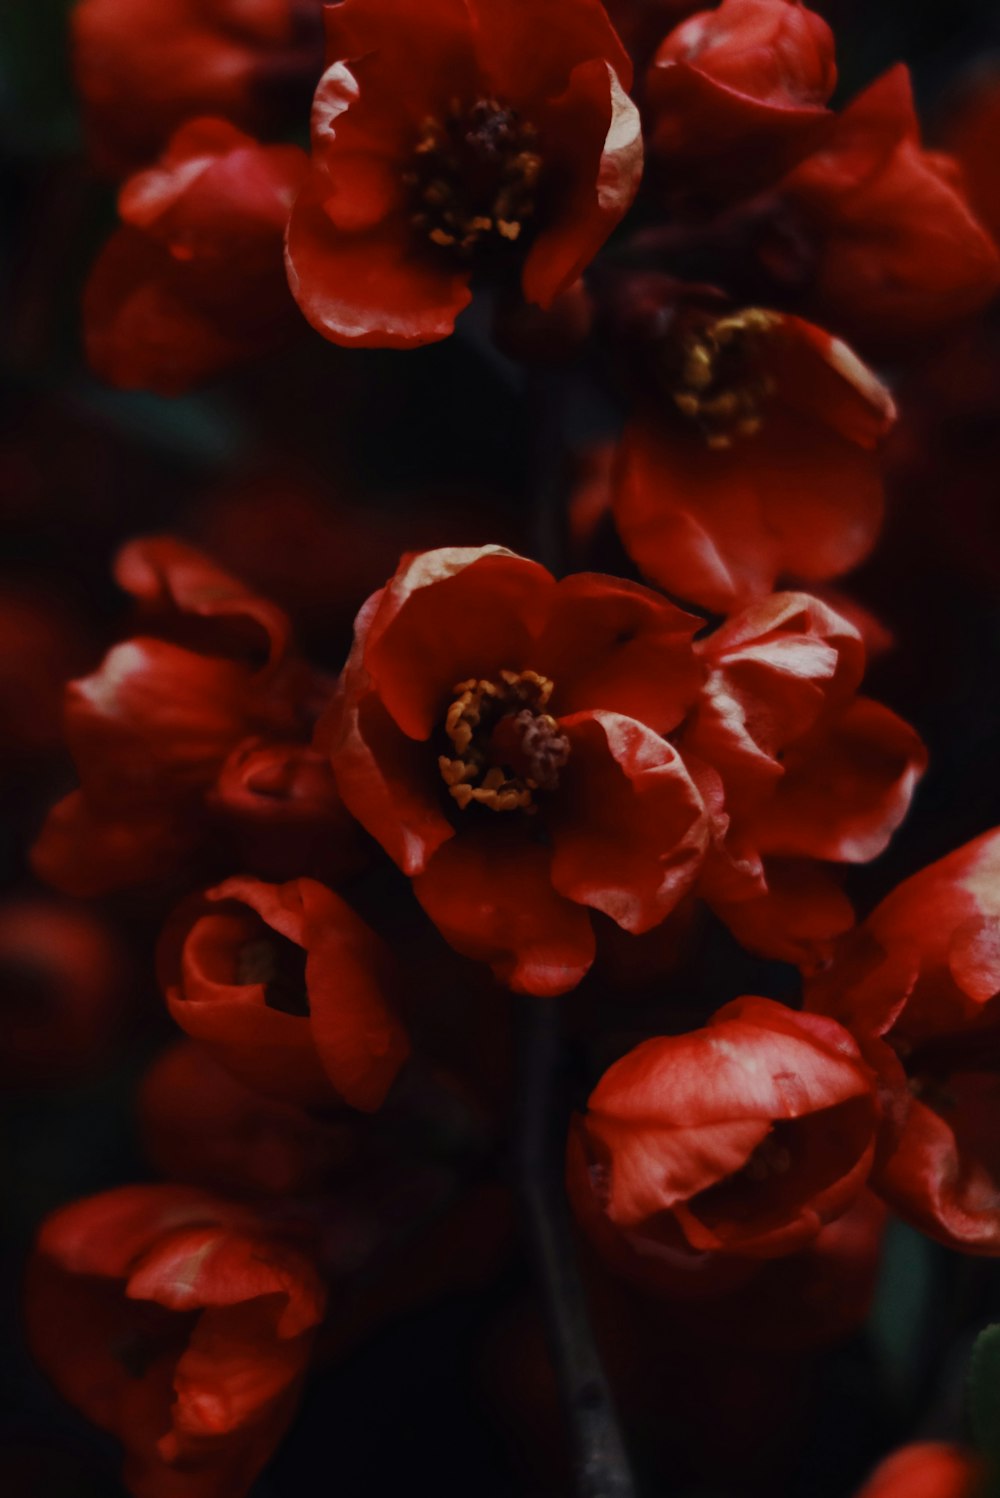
(752, 456)
(500, 734)
(151, 729)
(202, 1127)
(287, 988)
(806, 770)
(143, 67)
(918, 985)
(176, 1322)
(882, 242)
(704, 1152)
(736, 96)
(194, 280)
(455, 137)
(927, 1469)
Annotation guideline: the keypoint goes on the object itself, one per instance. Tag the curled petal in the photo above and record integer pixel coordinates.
(614, 645)
(846, 791)
(631, 828)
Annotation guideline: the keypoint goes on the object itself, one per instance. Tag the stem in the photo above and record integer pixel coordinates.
(600, 1464)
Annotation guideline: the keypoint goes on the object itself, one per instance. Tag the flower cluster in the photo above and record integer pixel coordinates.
(561, 771)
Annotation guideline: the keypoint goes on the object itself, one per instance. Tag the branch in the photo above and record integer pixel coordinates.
(600, 1464)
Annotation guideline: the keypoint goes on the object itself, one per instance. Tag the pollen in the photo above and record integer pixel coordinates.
(504, 746)
(473, 175)
(716, 377)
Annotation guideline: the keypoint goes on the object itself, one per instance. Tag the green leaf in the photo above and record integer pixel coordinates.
(983, 1392)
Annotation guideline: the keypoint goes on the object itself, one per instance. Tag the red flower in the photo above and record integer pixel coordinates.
(453, 135)
(176, 1322)
(151, 729)
(737, 95)
(194, 280)
(807, 770)
(143, 67)
(287, 988)
(752, 457)
(204, 1128)
(971, 135)
(884, 244)
(704, 1152)
(281, 808)
(44, 643)
(500, 734)
(917, 985)
(927, 1469)
(62, 983)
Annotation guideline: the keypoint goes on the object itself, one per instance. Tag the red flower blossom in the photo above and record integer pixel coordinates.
(704, 1152)
(44, 643)
(736, 96)
(176, 1322)
(62, 983)
(971, 136)
(281, 808)
(808, 770)
(151, 729)
(752, 456)
(917, 984)
(882, 241)
(143, 67)
(204, 1128)
(501, 735)
(194, 280)
(927, 1469)
(287, 988)
(450, 136)
(815, 1297)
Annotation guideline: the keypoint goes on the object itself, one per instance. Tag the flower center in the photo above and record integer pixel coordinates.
(473, 176)
(716, 379)
(280, 966)
(505, 746)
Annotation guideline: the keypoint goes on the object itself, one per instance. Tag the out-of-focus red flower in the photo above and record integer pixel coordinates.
(287, 988)
(881, 241)
(751, 457)
(175, 1321)
(737, 96)
(701, 1153)
(204, 1128)
(151, 729)
(809, 771)
(970, 134)
(453, 139)
(143, 67)
(193, 281)
(501, 735)
(319, 551)
(282, 809)
(815, 1297)
(917, 984)
(927, 1469)
(62, 981)
(43, 644)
